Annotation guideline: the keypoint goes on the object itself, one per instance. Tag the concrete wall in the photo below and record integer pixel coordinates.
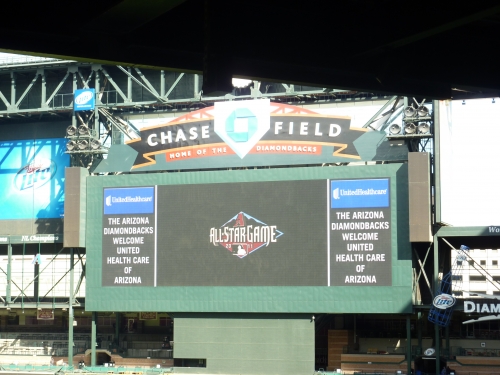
(246, 343)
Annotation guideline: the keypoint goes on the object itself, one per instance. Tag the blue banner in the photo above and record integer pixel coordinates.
(84, 100)
(360, 193)
(139, 200)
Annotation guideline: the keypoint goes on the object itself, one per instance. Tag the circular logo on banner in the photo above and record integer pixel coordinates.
(84, 97)
(443, 301)
(429, 352)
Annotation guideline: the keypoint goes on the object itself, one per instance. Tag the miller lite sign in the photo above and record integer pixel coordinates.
(443, 301)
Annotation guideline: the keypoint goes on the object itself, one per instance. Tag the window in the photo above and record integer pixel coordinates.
(459, 262)
(483, 263)
(494, 263)
(477, 278)
(471, 263)
(456, 277)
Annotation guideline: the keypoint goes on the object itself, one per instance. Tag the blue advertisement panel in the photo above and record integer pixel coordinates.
(32, 178)
(138, 200)
(84, 100)
(360, 193)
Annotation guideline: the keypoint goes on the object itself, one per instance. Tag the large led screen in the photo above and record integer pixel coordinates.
(254, 236)
(32, 179)
(468, 155)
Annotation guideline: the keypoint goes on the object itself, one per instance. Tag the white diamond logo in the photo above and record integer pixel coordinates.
(242, 124)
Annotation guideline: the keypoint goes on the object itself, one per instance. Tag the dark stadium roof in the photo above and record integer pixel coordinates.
(431, 49)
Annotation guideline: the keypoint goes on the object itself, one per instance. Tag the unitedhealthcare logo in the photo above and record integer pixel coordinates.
(129, 200)
(360, 193)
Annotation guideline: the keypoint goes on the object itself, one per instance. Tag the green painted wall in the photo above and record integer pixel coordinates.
(246, 343)
(263, 299)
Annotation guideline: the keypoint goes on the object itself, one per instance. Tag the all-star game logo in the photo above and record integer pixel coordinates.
(244, 234)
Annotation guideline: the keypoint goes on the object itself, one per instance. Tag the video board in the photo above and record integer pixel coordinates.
(32, 180)
(253, 236)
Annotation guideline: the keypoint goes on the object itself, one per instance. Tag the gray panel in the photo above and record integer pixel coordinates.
(74, 203)
(420, 199)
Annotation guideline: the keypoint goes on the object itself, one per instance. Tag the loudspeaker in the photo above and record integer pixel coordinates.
(419, 189)
(75, 197)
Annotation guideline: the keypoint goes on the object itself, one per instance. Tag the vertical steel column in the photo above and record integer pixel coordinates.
(162, 83)
(9, 273)
(12, 91)
(97, 128)
(408, 344)
(129, 85)
(117, 329)
(71, 317)
(44, 91)
(447, 340)
(97, 85)
(93, 339)
(196, 86)
(75, 82)
(435, 290)
(419, 331)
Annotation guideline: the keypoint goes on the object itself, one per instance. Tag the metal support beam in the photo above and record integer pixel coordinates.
(43, 98)
(408, 344)
(70, 309)
(93, 339)
(85, 82)
(173, 85)
(437, 338)
(117, 88)
(117, 328)
(196, 86)
(28, 89)
(146, 81)
(377, 116)
(419, 331)
(422, 270)
(57, 89)
(128, 72)
(9, 273)
(4, 100)
(12, 91)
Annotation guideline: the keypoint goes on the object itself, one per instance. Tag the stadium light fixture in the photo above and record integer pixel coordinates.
(71, 130)
(422, 111)
(83, 130)
(410, 111)
(410, 128)
(71, 145)
(424, 128)
(83, 145)
(95, 144)
(395, 129)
